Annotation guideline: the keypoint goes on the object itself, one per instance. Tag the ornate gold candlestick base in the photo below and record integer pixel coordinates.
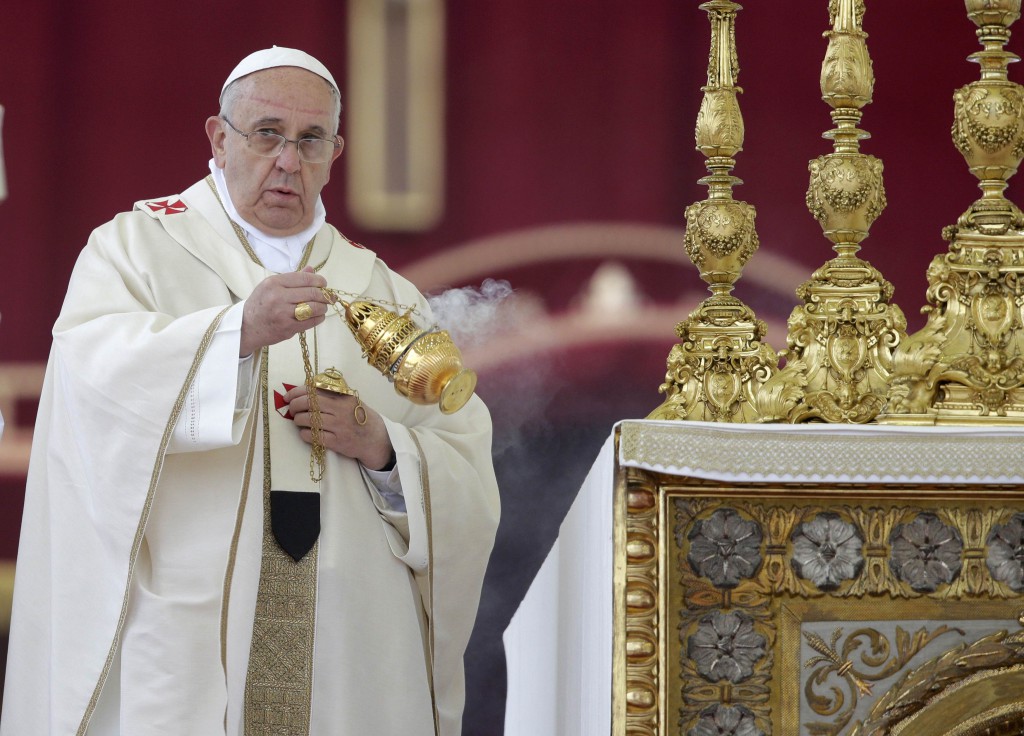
(716, 372)
(845, 332)
(967, 364)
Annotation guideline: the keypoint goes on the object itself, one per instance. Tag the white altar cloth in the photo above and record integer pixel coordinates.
(558, 644)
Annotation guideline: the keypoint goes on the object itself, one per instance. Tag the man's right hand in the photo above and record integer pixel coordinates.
(269, 313)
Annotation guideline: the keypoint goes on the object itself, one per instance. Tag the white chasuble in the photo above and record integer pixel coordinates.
(139, 570)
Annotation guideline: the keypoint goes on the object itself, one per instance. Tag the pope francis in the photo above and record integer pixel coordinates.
(187, 566)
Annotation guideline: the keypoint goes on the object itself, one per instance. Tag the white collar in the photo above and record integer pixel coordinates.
(276, 253)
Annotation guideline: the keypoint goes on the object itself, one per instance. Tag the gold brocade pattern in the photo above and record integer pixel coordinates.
(233, 550)
(279, 684)
(279, 681)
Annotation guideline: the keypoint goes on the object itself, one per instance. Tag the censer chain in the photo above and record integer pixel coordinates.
(318, 451)
(334, 296)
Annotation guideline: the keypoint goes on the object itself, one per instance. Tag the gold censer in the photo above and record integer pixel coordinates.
(424, 364)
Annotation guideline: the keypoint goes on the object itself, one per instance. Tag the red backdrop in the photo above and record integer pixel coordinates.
(567, 112)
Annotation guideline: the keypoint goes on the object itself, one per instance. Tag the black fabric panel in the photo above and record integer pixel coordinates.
(295, 520)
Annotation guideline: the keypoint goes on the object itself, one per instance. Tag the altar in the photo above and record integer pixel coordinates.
(781, 579)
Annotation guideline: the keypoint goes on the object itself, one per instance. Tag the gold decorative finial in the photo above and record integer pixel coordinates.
(967, 364)
(846, 329)
(718, 370)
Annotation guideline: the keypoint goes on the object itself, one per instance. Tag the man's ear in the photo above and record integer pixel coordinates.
(216, 133)
(334, 158)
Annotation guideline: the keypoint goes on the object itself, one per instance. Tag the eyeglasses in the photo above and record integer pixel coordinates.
(311, 149)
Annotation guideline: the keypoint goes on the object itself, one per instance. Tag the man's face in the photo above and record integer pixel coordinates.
(275, 194)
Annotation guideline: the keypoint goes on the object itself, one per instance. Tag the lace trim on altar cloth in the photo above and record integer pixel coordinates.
(824, 453)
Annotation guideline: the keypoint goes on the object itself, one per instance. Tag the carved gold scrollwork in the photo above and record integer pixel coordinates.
(723, 61)
(991, 314)
(993, 12)
(865, 657)
(986, 121)
(846, 74)
(846, 195)
(719, 129)
(975, 578)
(949, 671)
(720, 238)
(877, 576)
(717, 371)
(835, 16)
(778, 573)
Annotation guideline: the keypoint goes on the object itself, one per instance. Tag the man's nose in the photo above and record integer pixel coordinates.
(288, 160)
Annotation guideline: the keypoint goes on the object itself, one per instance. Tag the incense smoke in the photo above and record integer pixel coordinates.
(472, 315)
(518, 392)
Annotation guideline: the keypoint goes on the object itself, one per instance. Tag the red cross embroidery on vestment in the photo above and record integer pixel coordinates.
(280, 404)
(169, 207)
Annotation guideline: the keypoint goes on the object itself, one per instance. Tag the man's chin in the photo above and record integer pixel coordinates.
(281, 221)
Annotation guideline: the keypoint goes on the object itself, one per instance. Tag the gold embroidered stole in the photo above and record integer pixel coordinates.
(279, 681)
(279, 678)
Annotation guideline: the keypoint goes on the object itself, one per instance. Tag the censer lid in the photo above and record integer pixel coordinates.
(332, 380)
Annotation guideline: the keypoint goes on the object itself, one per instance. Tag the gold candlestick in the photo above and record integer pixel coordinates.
(846, 329)
(718, 370)
(967, 364)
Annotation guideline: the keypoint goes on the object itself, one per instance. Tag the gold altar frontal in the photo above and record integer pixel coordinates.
(817, 580)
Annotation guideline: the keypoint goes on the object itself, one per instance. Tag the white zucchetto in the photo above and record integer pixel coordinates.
(274, 57)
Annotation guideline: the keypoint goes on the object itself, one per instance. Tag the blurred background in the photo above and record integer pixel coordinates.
(545, 144)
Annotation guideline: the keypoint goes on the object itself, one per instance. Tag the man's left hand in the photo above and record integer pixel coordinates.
(342, 433)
